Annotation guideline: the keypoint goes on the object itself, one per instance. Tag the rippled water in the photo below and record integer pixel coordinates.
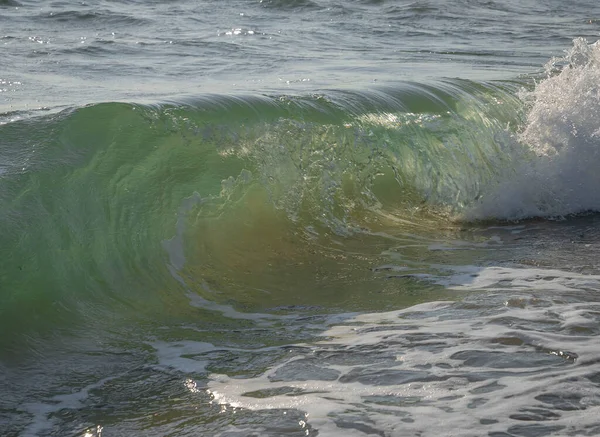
(290, 217)
(57, 53)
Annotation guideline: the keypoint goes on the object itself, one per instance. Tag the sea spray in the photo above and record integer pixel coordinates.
(557, 175)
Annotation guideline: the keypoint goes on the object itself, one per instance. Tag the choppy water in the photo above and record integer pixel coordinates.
(284, 218)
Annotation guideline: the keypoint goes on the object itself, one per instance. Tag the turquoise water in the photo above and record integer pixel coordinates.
(299, 218)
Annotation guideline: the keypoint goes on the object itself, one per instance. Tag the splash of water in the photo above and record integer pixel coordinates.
(556, 175)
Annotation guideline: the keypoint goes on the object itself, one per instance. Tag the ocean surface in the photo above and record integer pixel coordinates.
(299, 218)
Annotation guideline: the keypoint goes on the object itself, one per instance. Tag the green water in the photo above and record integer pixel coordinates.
(247, 196)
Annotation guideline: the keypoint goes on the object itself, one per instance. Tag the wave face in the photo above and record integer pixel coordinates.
(92, 195)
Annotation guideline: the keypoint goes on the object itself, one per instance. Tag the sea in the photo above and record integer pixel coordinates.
(345, 218)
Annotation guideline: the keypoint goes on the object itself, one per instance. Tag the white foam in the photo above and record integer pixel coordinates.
(175, 355)
(502, 278)
(448, 402)
(41, 422)
(557, 173)
(498, 278)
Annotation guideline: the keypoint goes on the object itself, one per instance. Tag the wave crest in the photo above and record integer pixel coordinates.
(556, 173)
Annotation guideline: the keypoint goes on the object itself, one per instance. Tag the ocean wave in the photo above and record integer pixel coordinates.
(461, 149)
(188, 189)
